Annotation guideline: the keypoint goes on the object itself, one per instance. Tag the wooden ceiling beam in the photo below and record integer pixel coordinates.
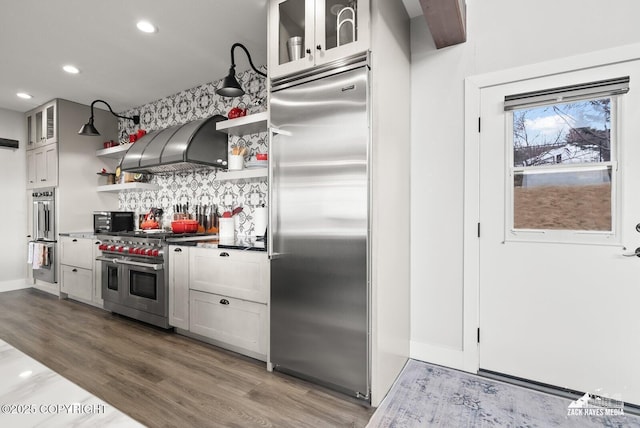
(446, 21)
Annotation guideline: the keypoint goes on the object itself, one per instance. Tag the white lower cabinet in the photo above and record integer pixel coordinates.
(240, 324)
(221, 296)
(179, 286)
(80, 274)
(77, 282)
(235, 273)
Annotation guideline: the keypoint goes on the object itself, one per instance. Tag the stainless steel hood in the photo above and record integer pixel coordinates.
(192, 145)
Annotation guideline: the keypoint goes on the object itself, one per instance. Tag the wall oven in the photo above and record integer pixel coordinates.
(134, 280)
(42, 247)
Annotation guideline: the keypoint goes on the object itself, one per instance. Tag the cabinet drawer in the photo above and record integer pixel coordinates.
(239, 274)
(76, 252)
(236, 322)
(77, 282)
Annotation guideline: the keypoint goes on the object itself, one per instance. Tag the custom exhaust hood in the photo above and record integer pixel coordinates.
(190, 146)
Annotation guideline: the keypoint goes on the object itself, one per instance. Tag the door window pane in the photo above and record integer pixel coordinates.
(569, 200)
(143, 284)
(563, 167)
(570, 133)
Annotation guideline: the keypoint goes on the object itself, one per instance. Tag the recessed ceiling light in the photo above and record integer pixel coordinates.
(71, 69)
(146, 27)
(24, 95)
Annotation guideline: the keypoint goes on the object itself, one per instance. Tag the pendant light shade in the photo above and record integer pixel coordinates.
(89, 130)
(230, 86)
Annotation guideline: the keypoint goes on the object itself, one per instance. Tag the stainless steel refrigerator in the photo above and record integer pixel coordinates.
(319, 228)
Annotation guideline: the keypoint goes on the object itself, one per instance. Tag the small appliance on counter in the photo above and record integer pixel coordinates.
(113, 221)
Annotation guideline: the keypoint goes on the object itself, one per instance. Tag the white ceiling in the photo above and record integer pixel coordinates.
(118, 63)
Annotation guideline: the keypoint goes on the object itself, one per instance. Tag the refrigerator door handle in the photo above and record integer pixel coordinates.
(270, 212)
(280, 131)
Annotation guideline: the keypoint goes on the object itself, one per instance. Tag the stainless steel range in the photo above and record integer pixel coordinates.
(135, 273)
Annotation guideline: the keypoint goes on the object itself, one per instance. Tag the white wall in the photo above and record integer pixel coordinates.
(501, 34)
(13, 197)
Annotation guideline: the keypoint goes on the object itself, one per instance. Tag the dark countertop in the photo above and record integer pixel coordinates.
(246, 243)
(84, 235)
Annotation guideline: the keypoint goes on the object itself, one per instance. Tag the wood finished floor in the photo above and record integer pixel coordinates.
(160, 378)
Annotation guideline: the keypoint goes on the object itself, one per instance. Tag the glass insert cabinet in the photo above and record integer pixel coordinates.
(306, 33)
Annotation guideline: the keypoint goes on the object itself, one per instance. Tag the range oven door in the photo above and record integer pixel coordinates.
(144, 287)
(111, 280)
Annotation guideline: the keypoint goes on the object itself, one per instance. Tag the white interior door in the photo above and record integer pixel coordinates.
(561, 306)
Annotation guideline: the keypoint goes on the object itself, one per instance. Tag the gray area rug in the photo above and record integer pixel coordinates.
(427, 395)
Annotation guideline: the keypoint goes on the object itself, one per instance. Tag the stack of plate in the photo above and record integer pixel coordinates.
(256, 164)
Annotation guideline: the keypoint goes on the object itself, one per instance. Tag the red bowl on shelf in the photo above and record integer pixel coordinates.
(261, 156)
(184, 226)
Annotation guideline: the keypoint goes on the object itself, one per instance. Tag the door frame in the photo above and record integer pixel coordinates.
(473, 86)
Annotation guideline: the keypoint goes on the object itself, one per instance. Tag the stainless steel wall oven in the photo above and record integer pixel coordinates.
(42, 247)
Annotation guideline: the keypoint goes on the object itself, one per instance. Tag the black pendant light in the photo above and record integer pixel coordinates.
(89, 130)
(230, 86)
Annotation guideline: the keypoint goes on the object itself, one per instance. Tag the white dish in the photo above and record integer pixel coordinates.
(256, 164)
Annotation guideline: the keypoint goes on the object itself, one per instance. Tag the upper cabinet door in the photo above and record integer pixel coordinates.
(50, 123)
(342, 29)
(42, 126)
(306, 33)
(31, 131)
(291, 36)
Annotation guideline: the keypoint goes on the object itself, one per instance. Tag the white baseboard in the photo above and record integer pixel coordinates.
(47, 287)
(14, 284)
(443, 356)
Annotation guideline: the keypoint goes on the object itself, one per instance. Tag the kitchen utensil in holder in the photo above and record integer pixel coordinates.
(227, 227)
(346, 18)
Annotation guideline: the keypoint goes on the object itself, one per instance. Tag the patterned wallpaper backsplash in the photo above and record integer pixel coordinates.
(199, 187)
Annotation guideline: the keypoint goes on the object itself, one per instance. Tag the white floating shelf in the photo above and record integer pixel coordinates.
(242, 174)
(127, 186)
(115, 152)
(245, 125)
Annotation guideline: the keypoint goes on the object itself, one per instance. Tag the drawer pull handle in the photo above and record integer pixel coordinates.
(74, 270)
(178, 250)
(74, 240)
(224, 254)
(97, 242)
(224, 302)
